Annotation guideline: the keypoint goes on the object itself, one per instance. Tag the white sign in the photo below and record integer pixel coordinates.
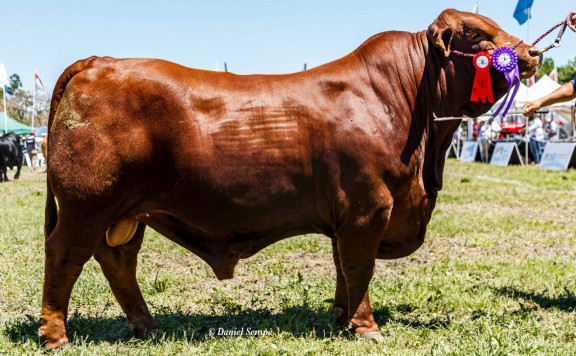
(469, 151)
(557, 155)
(452, 151)
(505, 153)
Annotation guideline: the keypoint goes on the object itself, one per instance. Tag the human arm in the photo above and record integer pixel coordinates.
(564, 93)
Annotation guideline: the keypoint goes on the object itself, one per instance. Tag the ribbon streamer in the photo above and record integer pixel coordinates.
(482, 88)
(506, 61)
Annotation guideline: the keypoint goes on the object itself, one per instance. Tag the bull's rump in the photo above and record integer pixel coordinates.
(223, 153)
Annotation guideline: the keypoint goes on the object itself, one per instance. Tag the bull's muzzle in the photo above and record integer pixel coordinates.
(536, 52)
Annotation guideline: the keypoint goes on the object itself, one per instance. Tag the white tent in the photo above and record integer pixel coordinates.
(543, 87)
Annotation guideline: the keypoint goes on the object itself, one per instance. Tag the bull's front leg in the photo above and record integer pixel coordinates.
(340, 306)
(357, 250)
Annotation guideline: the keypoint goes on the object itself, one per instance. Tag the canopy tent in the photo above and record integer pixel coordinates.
(543, 87)
(13, 125)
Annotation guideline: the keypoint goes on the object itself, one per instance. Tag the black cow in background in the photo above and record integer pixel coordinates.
(10, 155)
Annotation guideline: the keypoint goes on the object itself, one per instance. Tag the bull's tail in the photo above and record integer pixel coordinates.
(51, 211)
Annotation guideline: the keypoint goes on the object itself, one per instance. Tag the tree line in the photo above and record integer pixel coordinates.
(565, 73)
(20, 105)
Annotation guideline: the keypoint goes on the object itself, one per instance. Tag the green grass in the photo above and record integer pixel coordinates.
(496, 275)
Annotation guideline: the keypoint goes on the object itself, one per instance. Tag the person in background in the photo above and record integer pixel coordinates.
(536, 134)
(551, 129)
(32, 150)
(476, 130)
(488, 132)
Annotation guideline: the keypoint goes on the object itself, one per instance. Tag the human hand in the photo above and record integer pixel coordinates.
(530, 107)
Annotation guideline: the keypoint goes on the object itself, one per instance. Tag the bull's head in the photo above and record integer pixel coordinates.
(467, 33)
(472, 33)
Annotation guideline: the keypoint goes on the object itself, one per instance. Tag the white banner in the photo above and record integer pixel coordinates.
(505, 153)
(557, 155)
(469, 151)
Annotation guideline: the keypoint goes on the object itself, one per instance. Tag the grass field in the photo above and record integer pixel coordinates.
(496, 275)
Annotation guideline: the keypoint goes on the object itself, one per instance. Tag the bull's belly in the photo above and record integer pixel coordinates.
(223, 247)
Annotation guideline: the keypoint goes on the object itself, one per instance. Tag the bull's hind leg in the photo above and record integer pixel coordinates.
(340, 306)
(67, 249)
(3, 171)
(119, 266)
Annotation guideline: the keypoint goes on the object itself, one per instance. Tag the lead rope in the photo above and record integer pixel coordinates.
(556, 43)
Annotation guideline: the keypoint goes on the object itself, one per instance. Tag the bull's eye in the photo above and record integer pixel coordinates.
(476, 36)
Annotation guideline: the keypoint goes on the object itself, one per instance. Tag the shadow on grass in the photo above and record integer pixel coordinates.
(563, 302)
(297, 321)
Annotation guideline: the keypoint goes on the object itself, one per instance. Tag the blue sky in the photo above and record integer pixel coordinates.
(251, 36)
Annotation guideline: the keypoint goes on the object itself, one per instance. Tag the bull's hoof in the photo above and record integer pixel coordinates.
(373, 335)
(52, 344)
(143, 328)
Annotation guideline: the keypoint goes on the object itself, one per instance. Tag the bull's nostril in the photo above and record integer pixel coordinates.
(534, 52)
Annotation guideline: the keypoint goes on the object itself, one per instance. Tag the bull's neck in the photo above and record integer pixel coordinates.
(416, 78)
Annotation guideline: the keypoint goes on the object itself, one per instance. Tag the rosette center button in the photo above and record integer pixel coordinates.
(482, 61)
(504, 59)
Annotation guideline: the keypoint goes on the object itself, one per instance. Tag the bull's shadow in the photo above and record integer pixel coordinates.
(297, 321)
(564, 302)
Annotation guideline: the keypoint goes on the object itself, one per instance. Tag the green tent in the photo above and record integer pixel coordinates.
(13, 125)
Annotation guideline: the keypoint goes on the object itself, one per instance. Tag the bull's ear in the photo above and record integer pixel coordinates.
(441, 36)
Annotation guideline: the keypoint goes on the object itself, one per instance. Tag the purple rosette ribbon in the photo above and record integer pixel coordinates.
(505, 60)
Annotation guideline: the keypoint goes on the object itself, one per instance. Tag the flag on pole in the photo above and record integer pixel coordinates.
(4, 80)
(38, 86)
(3, 75)
(554, 74)
(522, 12)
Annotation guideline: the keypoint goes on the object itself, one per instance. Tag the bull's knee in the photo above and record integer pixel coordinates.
(121, 232)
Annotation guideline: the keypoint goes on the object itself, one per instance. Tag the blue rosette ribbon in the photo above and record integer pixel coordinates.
(505, 60)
